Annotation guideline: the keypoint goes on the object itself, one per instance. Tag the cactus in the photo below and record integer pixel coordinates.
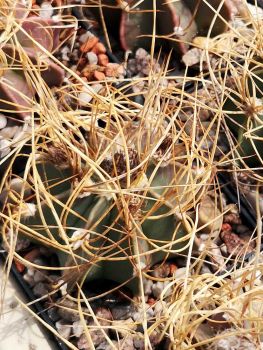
(30, 43)
(244, 110)
(116, 228)
(176, 22)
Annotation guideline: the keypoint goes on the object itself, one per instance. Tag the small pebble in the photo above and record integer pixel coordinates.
(92, 57)
(65, 311)
(127, 343)
(8, 132)
(157, 289)
(4, 148)
(103, 315)
(30, 271)
(99, 75)
(46, 10)
(103, 59)
(89, 44)
(64, 53)
(122, 312)
(85, 96)
(40, 289)
(96, 335)
(84, 37)
(39, 276)
(107, 346)
(63, 329)
(99, 48)
(53, 314)
(3, 121)
(138, 343)
(29, 279)
(159, 308)
(124, 327)
(147, 284)
(77, 328)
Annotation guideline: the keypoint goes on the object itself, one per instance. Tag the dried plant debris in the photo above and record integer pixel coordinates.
(115, 217)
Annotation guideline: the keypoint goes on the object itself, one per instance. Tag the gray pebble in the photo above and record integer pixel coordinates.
(39, 276)
(147, 284)
(127, 343)
(107, 346)
(157, 289)
(53, 314)
(77, 328)
(103, 316)
(63, 329)
(122, 312)
(138, 343)
(65, 311)
(40, 289)
(96, 335)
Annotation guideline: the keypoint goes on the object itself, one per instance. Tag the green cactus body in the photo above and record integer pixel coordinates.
(112, 247)
(245, 118)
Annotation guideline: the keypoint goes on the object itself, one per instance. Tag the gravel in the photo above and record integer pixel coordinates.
(63, 329)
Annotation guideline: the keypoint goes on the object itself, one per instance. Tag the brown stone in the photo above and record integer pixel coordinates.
(99, 75)
(89, 44)
(103, 59)
(99, 48)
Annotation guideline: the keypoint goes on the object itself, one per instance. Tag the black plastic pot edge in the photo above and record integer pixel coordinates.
(37, 307)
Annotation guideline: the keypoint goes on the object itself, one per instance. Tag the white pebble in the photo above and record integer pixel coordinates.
(63, 287)
(46, 10)
(84, 37)
(4, 148)
(29, 279)
(20, 134)
(92, 58)
(30, 271)
(86, 95)
(57, 18)
(63, 329)
(3, 121)
(29, 210)
(8, 132)
(64, 53)
(77, 328)
(147, 284)
(157, 289)
(84, 98)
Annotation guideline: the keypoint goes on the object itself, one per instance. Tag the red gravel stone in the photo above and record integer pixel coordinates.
(99, 48)
(103, 59)
(99, 75)
(89, 44)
